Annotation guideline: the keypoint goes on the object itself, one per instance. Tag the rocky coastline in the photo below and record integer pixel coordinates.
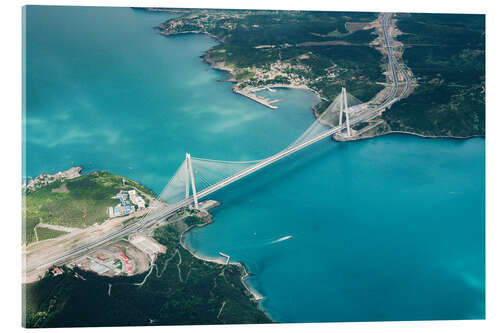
(46, 179)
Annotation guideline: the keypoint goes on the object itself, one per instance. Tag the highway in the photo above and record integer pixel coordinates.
(393, 63)
(161, 214)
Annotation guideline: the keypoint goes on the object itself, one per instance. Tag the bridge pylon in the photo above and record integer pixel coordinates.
(190, 179)
(343, 109)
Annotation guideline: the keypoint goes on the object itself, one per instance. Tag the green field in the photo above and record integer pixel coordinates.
(191, 292)
(78, 202)
(46, 233)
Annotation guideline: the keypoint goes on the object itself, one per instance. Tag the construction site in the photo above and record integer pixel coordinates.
(123, 258)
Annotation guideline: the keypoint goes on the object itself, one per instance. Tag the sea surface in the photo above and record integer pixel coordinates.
(390, 228)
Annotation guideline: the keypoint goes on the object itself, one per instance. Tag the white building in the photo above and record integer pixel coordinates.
(136, 199)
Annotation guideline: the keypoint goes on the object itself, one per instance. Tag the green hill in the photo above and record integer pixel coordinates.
(446, 53)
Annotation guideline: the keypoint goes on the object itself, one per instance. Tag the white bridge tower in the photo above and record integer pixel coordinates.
(344, 109)
(190, 179)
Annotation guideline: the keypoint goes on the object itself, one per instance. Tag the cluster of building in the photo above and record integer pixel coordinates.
(129, 200)
(108, 262)
(122, 258)
(126, 263)
(56, 271)
(137, 199)
(279, 69)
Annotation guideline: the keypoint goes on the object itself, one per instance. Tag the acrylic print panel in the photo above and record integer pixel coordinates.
(193, 166)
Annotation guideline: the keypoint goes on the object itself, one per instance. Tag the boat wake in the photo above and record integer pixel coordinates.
(281, 239)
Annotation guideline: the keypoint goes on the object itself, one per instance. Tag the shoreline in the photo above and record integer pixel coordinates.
(221, 261)
(248, 92)
(422, 136)
(257, 297)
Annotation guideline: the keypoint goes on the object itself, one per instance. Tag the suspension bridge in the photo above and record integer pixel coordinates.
(197, 178)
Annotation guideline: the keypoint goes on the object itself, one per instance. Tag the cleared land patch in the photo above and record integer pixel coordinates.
(46, 233)
(75, 203)
(180, 289)
(61, 189)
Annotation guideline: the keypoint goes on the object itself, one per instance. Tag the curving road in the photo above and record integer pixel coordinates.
(161, 214)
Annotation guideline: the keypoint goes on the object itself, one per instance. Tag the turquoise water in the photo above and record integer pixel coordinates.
(106, 91)
(385, 229)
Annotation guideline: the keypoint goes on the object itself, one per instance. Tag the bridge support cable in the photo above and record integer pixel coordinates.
(155, 211)
(176, 189)
(211, 172)
(196, 174)
(332, 117)
(171, 194)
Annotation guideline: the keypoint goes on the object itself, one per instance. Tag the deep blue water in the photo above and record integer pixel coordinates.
(385, 229)
(390, 228)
